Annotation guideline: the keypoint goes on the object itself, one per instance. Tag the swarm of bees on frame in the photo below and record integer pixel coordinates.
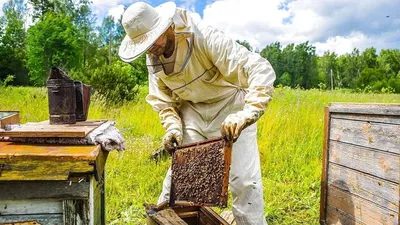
(198, 173)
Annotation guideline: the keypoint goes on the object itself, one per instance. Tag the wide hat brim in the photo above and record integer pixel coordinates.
(131, 49)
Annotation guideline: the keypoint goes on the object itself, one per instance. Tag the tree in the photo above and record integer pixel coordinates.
(115, 82)
(41, 7)
(12, 50)
(273, 53)
(327, 66)
(372, 78)
(53, 41)
(110, 34)
(285, 79)
(84, 21)
(389, 59)
(306, 66)
(394, 82)
(349, 67)
(288, 62)
(370, 58)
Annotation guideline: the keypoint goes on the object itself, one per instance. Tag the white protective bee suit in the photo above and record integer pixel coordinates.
(212, 78)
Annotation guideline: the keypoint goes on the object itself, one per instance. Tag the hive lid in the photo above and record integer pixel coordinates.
(200, 173)
(44, 129)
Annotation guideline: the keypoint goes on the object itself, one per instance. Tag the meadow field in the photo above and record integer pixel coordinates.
(290, 138)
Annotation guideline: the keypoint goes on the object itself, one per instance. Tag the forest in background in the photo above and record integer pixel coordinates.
(64, 33)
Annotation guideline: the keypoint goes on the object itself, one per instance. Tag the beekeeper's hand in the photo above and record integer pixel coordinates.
(236, 122)
(172, 139)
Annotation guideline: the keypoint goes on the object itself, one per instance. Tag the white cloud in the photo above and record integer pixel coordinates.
(115, 8)
(342, 45)
(102, 7)
(2, 2)
(116, 12)
(188, 4)
(335, 25)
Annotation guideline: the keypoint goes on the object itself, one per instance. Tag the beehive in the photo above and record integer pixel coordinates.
(51, 183)
(360, 176)
(200, 173)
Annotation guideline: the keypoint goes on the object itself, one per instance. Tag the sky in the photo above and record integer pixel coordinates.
(329, 25)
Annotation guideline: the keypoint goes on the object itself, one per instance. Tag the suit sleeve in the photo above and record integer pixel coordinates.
(165, 102)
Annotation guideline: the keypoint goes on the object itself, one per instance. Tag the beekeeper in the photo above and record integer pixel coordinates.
(203, 85)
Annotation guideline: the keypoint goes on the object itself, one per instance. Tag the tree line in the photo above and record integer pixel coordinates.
(64, 33)
(298, 65)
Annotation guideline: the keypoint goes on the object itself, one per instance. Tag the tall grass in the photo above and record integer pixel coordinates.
(290, 142)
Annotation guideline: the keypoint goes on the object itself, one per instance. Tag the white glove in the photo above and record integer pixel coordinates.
(108, 136)
(236, 122)
(172, 139)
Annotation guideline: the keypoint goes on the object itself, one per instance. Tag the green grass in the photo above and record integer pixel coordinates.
(290, 143)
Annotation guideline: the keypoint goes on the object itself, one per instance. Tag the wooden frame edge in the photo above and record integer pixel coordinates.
(212, 214)
(227, 167)
(324, 182)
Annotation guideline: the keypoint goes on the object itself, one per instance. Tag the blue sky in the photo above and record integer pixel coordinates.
(329, 25)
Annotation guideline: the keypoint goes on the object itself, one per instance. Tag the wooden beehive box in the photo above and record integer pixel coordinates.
(200, 173)
(8, 117)
(51, 183)
(360, 176)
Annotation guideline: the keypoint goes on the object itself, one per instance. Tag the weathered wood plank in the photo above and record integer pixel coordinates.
(23, 223)
(92, 202)
(167, 217)
(42, 219)
(97, 202)
(98, 214)
(228, 217)
(362, 108)
(322, 203)
(212, 216)
(44, 189)
(360, 209)
(42, 170)
(18, 207)
(102, 198)
(18, 151)
(368, 118)
(380, 136)
(44, 129)
(184, 209)
(76, 212)
(382, 192)
(337, 217)
(188, 214)
(100, 164)
(377, 163)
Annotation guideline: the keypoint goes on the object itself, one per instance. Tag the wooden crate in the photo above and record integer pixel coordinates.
(8, 117)
(361, 161)
(51, 184)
